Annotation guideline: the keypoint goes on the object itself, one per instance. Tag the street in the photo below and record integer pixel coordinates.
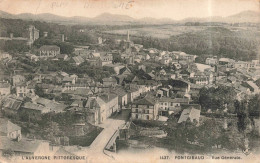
(95, 152)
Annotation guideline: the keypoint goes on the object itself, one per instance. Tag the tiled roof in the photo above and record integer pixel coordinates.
(195, 106)
(7, 126)
(175, 100)
(32, 106)
(144, 101)
(191, 113)
(24, 145)
(66, 78)
(109, 79)
(51, 104)
(11, 103)
(119, 91)
(4, 85)
(49, 48)
(78, 59)
(108, 97)
(61, 56)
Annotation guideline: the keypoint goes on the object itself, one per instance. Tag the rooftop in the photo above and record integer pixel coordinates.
(24, 145)
(7, 126)
(49, 48)
(145, 101)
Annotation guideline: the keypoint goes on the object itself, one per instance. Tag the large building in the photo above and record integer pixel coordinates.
(145, 109)
(47, 51)
(101, 107)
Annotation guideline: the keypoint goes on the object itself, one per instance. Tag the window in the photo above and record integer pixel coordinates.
(136, 110)
(136, 106)
(147, 106)
(165, 103)
(136, 116)
(147, 111)
(161, 103)
(147, 117)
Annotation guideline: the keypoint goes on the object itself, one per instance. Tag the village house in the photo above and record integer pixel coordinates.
(168, 105)
(35, 109)
(166, 60)
(67, 80)
(73, 87)
(212, 61)
(81, 50)
(122, 97)
(109, 81)
(11, 105)
(32, 57)
(200, 80)
(163, 92)
(145, 109)
(125, 71)
(124, 56)
(96, 110)
(184, 56)
(111, 101)
(106, 58)
(11, 139)
(253, 87)
(5, 88)
(101, 107)
(62, 57)
(241, 64)
(18, 79)
(96, 62)
(115, 67)
(52, 105)
(191, 112)
(9, 129)
(132, 94)
(21, 90)
(227, 62)
(4, 56)
(77, 60)
(47, 51)
(162, 72)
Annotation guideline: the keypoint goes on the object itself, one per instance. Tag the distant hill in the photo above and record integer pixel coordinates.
(115, 19)
(6, 15)
(245, 16)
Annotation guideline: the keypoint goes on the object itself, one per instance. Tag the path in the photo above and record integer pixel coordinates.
(95, 152)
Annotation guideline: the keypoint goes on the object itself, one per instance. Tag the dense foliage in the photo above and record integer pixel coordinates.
(209, 133)
(220, 98)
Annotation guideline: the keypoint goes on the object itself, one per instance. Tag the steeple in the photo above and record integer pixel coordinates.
(128, 39)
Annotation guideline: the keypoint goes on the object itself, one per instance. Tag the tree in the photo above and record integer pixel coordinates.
(244, 122)
(39, 91)
(217, 98)
(254, 105)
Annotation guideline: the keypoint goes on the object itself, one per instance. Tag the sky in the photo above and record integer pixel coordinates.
(174, 9)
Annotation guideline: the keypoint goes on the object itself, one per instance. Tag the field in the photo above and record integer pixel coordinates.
(166, 31)
(162, 31)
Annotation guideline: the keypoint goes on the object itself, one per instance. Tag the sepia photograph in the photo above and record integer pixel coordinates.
(129, 81)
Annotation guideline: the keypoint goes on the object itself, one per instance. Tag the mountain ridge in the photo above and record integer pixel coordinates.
(108, 18)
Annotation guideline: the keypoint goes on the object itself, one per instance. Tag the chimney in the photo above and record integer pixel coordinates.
(11, 35)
